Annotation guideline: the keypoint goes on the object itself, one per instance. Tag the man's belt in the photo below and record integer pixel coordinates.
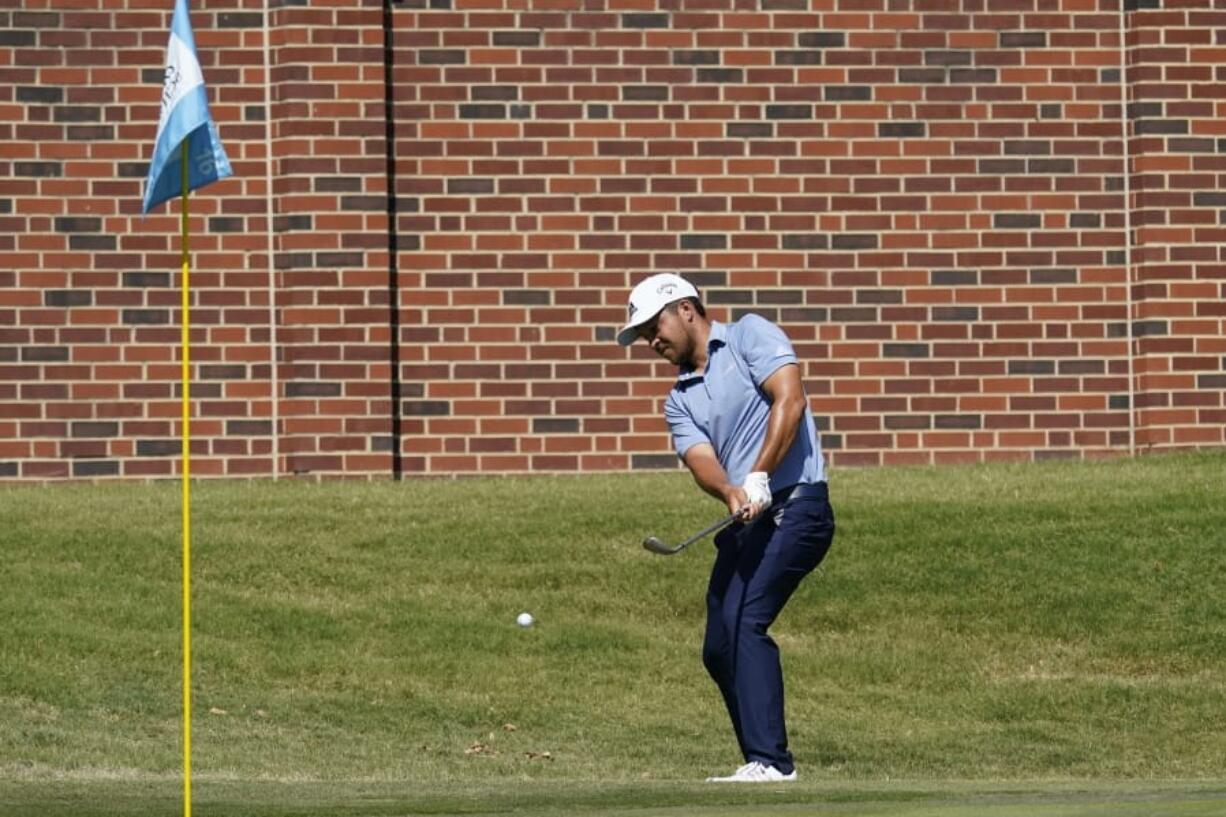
(815, 490)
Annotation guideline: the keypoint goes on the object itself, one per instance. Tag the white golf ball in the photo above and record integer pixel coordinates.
(524, 619)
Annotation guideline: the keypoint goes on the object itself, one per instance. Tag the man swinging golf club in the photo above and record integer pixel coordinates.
(741, 423)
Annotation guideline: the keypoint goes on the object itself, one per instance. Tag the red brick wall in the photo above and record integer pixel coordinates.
(332, 262)
(1177, 100)
(932, 202)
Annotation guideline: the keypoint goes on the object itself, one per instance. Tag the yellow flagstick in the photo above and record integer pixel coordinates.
(187, 506)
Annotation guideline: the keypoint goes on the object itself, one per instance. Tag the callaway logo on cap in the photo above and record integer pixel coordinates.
(649, 297)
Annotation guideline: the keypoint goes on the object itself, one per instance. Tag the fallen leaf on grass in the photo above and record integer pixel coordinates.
(484, 749)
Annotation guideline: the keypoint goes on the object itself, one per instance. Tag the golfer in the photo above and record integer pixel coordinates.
(741, 423)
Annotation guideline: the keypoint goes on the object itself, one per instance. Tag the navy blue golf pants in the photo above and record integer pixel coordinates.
(757, 568)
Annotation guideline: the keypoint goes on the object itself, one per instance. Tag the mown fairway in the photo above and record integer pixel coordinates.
(1034, 639)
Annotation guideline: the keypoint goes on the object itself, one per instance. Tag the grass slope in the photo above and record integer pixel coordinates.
(1053, 622)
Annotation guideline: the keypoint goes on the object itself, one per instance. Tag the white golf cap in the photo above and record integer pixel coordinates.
(649, 297)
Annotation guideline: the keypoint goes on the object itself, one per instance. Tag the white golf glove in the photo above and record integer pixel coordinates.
(757, 489)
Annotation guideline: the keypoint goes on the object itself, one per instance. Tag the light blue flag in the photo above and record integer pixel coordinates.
(186, 120)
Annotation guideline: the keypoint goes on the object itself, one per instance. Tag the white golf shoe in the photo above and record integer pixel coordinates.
(755, 773)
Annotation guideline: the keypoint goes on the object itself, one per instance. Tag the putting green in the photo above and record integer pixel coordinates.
(220, 798)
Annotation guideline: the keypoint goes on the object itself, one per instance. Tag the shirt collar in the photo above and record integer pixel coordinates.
(718, 336)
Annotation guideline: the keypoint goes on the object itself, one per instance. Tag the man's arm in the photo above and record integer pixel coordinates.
(712, 477)
(787, 397)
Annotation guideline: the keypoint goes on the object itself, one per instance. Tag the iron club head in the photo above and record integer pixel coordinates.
(656, 546)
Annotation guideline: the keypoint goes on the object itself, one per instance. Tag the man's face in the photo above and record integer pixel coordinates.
(666, 333)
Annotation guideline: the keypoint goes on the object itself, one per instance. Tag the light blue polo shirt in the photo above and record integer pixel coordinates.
(725, 407)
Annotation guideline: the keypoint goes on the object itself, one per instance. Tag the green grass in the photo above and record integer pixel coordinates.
(355, 649)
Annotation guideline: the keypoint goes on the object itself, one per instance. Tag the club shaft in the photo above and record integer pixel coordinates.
(709, 530)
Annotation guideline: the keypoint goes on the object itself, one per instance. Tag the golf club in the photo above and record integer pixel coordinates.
(656, 546)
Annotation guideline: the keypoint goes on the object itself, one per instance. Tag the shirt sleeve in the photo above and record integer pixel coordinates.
(686, 433)
(764, 347)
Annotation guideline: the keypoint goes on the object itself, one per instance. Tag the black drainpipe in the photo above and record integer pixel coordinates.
(393, 244)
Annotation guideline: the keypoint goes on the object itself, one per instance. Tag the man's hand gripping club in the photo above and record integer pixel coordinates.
(757, 496)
